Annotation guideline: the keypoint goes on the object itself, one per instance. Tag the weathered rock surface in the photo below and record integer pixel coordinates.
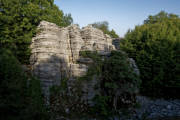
(134, 66)
(116, 42)
(55, 51)
(158, 108)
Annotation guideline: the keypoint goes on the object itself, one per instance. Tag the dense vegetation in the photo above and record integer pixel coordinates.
(155, 46)
(19, 19)
(20, 94)
(117, 85)
(104, 26)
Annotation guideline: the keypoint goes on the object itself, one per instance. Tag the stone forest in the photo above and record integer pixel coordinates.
(52, 69)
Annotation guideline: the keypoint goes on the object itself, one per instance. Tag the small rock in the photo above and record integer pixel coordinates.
(67, 110)
(153, 114)
(169, 107)
(163, 110)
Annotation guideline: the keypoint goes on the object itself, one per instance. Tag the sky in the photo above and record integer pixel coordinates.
(120, 14)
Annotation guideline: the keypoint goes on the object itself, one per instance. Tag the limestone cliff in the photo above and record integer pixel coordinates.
(55, 51)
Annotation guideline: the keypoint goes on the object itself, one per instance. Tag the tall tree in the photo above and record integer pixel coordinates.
(18, 21)
(20, 94)
(155, 46)
(113, 34)
(104, 26)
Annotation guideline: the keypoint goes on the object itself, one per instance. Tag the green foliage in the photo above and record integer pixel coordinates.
(20, 95)
(117, 68)
(67, 20)
(95, 67)
(104, 26)
(101, 106)
(18, 21)
(66, 101)
(118, 82)
(113, 34)
(12, 89)
(155, 46)
(36, 108)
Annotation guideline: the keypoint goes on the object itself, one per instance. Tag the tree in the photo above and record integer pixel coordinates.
(20, 94)
(117, 82)
(67, 19)
(113, 34)
(19, 19)
(104, 26)
(155, 46)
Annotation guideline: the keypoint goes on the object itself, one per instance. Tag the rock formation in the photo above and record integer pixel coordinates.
(55, 51)
(116, 42)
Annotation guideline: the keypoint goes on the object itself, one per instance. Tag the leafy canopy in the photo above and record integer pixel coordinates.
(20, 94)
(18, 21)
(155, 46)
(117, 81)
(104, 26)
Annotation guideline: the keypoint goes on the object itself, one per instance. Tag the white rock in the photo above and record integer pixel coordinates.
(55, 52)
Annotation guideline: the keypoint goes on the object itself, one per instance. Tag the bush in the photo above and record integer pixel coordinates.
(155, 46)
(118, 82)
(104, 26)
(20, 95)
(116, 88)
(66, 101)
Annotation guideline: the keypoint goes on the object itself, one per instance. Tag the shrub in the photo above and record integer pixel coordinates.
(66, 101)
(118, 82)
(117, 87)
(104, 26)
(20, 95)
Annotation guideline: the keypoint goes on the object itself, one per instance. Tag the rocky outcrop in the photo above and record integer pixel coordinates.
(55, 51)
(116, 42)
(134, 66)
(95, 39)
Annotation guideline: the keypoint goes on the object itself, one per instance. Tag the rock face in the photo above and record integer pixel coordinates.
(134, 66)
(116, 42)
(55, 51)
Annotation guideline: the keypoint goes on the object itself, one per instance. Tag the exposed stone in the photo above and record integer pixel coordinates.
(116, 42)
(134, 66)
(85, 60)
(55, 53)
(157, 108)
(95, 39)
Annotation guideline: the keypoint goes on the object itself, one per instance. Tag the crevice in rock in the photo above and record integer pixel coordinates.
(55, 52)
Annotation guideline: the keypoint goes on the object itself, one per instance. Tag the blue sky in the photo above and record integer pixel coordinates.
(121, 14)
